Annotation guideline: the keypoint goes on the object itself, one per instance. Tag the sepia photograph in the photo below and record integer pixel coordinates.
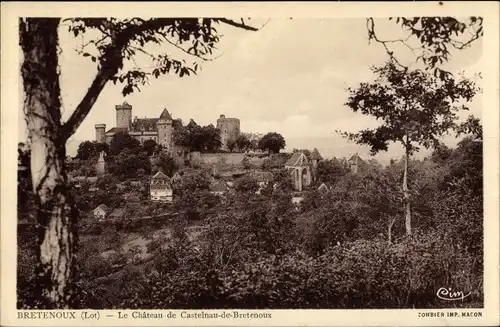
(256, 163)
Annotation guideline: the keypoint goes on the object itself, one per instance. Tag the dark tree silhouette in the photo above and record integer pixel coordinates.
(272, 142)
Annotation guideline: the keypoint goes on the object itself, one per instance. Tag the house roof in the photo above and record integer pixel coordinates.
(165, 115)
(355, 159)
(115, 130)
(103, 207)
(297, 159)
(218, 187)
(160, 175)
(323, 187)
(315, 155)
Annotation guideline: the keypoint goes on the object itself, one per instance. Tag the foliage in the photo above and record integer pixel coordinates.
(272, 142)
(128, 162)
(330, 170)
(150, 146)
(416, 109)
(436, 36)
(91, 150)
(231, 145)
(198, 138)
(243, 142)
(246, 184)
(122, 141)
(165, 163)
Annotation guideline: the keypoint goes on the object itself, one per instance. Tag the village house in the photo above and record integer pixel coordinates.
(101, 211)
(161, 188)
(356, 164)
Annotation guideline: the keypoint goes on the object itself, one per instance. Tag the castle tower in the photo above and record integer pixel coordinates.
(164, 127)
(100, 166)
(229, 130)
(100, 133)
(123, 115)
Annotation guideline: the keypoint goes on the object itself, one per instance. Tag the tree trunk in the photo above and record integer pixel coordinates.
(56, 213)
(406, 194)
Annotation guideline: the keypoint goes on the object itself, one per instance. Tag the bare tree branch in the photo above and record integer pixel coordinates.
(235, 24)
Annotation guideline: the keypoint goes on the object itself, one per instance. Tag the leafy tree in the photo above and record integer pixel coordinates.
(122, 141)
(416, 110)
(243, 142)
(329, 171)
(272, 142)
(436, 36)
(198, 138)
(150, 146)
(166, 164)
(253, 139)
(88, 150)
(128, 162)
(211, 141)
(246, 184)
(231, 145)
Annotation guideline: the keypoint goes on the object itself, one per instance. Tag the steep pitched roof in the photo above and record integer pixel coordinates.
(160, 175)
(146, 124)
(355, 159)
(315, 155)
(115, 130)
(297, 159)
(165, 115)
(323, 188)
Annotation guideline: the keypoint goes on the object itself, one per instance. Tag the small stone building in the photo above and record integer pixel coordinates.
(300, 170)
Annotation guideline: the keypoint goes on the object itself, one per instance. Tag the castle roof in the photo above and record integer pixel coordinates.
(297, 159)
(315, 155)
(148, 124)
(165, 115)
(115, 130)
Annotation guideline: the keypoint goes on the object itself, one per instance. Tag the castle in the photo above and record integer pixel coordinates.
(159, 129)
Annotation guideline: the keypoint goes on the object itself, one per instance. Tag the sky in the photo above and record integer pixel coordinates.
(289, 77)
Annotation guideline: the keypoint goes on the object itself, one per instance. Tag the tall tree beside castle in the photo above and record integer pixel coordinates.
(117, 42)
(416, 109)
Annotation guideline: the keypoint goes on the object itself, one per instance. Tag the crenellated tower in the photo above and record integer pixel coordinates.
(229, 129)
(164, 126)
(123, 115)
